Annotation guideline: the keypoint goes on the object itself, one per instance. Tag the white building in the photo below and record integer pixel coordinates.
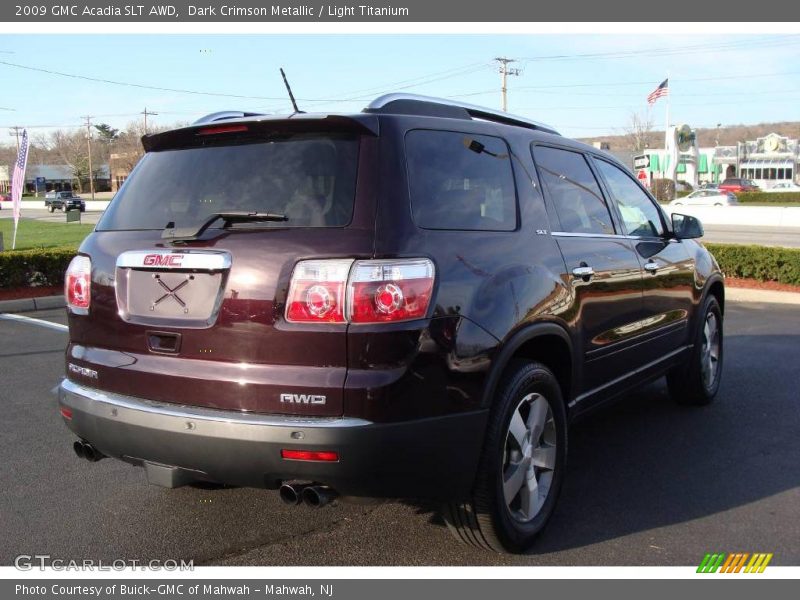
(767, 161)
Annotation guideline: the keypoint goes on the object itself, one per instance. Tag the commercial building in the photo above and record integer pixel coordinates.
(767, 161)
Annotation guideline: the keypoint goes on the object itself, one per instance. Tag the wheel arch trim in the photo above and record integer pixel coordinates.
(510, 347)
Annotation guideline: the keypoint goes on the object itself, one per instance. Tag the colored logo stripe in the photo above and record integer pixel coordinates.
(735, 562)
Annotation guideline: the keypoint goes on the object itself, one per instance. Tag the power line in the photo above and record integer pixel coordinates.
(767, 42)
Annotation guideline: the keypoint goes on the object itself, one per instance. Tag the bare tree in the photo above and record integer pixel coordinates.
(127, 146)
(71, 149)
(638, 132)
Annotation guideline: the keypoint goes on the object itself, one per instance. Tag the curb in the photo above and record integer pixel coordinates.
(32, 304)
(736, 294)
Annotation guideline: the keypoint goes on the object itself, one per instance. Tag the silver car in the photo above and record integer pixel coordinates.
(708, 197)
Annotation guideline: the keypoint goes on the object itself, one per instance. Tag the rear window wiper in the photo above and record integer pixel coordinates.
(192, 233)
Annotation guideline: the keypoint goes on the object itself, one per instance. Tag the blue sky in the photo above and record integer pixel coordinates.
(581, 84)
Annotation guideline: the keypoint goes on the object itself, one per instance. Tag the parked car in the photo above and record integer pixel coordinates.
(5, 198)
(410, 301)
(707, 197)
(787, 186)
(737, 185)
(63, 201)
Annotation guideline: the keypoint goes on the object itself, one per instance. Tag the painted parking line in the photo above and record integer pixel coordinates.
(32, 321)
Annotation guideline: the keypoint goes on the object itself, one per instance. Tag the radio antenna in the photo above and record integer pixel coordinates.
(291, 95)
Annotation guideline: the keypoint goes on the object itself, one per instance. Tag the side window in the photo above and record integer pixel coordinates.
(639, 215)
(460, 181)
(573, 190)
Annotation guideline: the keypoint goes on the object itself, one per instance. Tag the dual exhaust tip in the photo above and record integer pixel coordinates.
(313, 495)
(86, 450)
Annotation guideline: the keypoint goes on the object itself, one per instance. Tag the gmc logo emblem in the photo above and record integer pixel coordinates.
(163, 260)
(303, 399)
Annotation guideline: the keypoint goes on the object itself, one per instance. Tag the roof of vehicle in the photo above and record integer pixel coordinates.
(367, 119)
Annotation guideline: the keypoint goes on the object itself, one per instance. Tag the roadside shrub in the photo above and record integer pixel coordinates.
(758, 262)
(772, 198)
(34, 268)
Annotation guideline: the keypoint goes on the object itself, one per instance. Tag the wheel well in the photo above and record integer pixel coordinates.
(553, 352)
(718, 291)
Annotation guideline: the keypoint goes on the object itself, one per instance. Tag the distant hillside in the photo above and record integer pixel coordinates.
(728, 135)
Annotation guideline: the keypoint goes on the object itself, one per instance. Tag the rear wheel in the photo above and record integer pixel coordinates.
(522, 465)
(697, 381)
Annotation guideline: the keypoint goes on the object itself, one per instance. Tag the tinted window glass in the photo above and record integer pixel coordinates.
(460, 181)
(639, 215)
(574, 191)
(309, 178)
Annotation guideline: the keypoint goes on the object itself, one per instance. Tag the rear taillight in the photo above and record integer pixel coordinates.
(390, 290)
(78, 285)
(362, 291)
(317, 291)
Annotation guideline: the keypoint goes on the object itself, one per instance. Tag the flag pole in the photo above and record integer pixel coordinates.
(666, 126)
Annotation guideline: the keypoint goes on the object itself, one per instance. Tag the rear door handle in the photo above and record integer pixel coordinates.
(583, 272)
(651, 267)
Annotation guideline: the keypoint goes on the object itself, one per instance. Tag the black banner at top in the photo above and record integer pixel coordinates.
(398, 11)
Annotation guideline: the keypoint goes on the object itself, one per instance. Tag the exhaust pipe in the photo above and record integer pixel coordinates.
(86, 450)
(292, 493)
(318, 496)
(91, 453)
(78, 448)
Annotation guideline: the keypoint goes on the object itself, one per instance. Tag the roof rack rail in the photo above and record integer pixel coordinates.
(440, 107)
(225, 114)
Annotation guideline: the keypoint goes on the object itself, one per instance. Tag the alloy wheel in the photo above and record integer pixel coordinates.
(529, 457)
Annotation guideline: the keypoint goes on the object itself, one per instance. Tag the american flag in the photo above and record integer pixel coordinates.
(18, 181)
(661, 90)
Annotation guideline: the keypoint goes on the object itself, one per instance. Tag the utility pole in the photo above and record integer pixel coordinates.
(145, 113)
(15, 131)
(89, 147)
(505, 71)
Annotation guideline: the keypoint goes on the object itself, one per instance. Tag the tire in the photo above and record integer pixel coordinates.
(63, 208)
(529, 396)
(697, 381)
(50, 208)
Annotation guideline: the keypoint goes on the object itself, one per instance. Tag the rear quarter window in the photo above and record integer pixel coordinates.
(460, 181)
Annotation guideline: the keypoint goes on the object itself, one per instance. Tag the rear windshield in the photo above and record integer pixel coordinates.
(309, 178)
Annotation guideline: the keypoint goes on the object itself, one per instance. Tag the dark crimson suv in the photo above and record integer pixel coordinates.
(410, 301)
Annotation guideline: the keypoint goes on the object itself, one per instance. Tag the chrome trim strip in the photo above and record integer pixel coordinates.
(614, 236)
(208, 260)
(138, 411)
(472, 109)
(611, 236)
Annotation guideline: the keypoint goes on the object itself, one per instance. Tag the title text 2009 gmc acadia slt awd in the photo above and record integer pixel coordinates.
(410, 301)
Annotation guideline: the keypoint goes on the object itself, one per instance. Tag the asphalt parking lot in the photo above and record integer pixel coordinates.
(649, 482)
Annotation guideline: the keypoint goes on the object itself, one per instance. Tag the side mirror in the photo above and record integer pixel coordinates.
(686, 227)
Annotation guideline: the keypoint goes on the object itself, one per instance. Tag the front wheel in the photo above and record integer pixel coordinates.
(521, 467)
(50, 208)
(697, 381)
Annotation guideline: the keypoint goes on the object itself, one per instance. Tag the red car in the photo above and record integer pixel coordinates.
(737, 186)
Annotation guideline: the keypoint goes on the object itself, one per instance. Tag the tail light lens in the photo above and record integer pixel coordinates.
(317, 291)
(390, 290)
(78, 285)
(362, 291)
